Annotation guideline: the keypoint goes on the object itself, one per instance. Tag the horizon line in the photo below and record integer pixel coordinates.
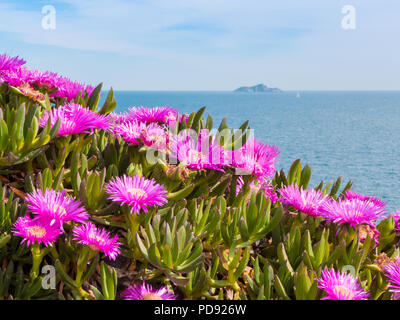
(233, 91)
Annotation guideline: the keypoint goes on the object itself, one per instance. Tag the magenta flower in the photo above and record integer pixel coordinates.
(146, 292)
(41, 79)
(392, 272)
(201, 152)
(353, 211)
(8, 63)
(154, 136)
(36, 230)
(75, 119)
(340, 286)
(15, 77)
(254, 158)
(130, 131)
(13, 72)
(307, 201)
(69, 89)
(157, 114)
(56, 206)
(98, 239)
(137, 192)
(349, 195)
(119, 117)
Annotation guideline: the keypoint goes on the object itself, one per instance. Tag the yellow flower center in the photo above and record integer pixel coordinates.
(97, 238)
(343, 291)
(37, 231)
(151, 296)
(136, 192)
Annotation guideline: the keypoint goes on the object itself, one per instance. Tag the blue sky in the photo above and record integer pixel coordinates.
(209, 44)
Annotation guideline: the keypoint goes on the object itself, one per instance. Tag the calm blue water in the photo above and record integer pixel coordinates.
(351, 134)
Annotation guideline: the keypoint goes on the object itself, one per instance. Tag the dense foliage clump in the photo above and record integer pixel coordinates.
(153, 204)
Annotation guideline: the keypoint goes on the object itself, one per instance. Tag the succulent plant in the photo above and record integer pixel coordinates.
(224, 230)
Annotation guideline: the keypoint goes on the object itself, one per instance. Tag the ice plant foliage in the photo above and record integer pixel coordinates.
(396, 216)
(146, 292)
(215, 226)
(74, 119)
(340, 286)
(56, 206)
(137, 192)
(37, 230)
(392, 272)
(307, 201)
(353, 212)
(256, 186)
(98, 239)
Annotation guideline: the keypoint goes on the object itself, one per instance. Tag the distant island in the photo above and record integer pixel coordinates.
(258, 88)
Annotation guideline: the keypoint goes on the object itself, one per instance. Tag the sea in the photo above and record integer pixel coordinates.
(351, 134)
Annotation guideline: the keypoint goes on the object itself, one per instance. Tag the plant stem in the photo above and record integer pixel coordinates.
(37, 257)
(81, 264)
(133, 222)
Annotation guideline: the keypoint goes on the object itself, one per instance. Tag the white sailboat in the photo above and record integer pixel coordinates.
(298, 95)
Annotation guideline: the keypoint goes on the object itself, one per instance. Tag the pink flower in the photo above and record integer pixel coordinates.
(74, 119)
(98, 239)
(307, 201)
(8, 63)
(56, 206)
(149, 115)
(14, 73)
(392, 272)
(130, 131)
(340, 286)
(201, 152)
(146, 292)
(353, 211)
(254, 158)
(119, 117)
(154, 136)
(36, 230)
(69, 89)
(137, 192)
(349, 195)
